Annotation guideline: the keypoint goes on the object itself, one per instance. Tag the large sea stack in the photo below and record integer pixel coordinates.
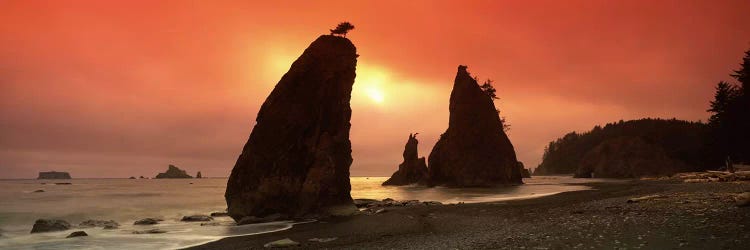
(474, 151)
(413, 169)
(173, 172)
(296, 161)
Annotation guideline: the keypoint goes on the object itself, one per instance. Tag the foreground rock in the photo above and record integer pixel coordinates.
(54, 175)
(371, 206)
(47, 225)
(197, 218)
(106, 224)
(173, 173)
(627, 157)
(150, 231)
(147, 221)
(297, 158)
(281, 243)
(77, 234)
(474, 151)
(743, 199)
(413, 169)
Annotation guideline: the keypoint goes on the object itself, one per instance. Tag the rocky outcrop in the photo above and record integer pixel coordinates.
(413, 169)
(197, 217)
(173, 173)
(297, 158)
(474, 151)
(106, 224)
(46, 225)
(199, 175)
(147, 221)
(627, 157)
(54, 175)
(77, 234)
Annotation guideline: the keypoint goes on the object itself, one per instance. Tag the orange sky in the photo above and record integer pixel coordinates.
(108, 89)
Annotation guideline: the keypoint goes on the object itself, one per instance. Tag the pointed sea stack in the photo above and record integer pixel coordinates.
(296, 161)
(413, 169)
(474, 151)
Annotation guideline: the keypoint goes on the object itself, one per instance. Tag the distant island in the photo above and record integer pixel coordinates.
(173, 173)
(54, 175)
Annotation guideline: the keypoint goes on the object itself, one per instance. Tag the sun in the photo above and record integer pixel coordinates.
(375, 94)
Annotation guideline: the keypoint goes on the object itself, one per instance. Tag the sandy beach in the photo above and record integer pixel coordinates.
(676, 215)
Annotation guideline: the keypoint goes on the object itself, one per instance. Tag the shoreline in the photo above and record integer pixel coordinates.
(686, 215)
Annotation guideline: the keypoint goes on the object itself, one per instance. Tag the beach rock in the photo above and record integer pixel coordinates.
(198, 217)
(281, 243)
(147, 221)
(173, 173)
(141, 177)
(297, 158)
(364, 202)
(54, 175)
(474, 150)
(413, 169)
(77, 234)
(743, 199)
(150, 231)
(39, 191)
(48, 225)
(132, 177)
(626, 157)
(268, 218)
(106, 224)
(219, 214)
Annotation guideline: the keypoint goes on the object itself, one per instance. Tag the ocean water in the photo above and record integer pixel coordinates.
(126, 200)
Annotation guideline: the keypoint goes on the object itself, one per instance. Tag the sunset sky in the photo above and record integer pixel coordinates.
(124, 88)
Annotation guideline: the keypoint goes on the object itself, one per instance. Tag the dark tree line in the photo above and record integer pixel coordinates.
(730, 114)
(681, 140)
(699, 145)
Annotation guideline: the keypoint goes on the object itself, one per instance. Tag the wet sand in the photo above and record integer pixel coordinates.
(684, 215)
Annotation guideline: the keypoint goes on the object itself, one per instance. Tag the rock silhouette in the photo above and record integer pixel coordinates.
(525, 172)
(627, 157)
(474, 150)
(296, 161)
(173, 173)
(54, 175)
(413, 169)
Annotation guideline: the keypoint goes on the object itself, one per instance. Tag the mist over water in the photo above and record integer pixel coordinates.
(126, 200)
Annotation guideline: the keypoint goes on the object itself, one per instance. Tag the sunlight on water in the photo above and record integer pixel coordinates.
(125, 201)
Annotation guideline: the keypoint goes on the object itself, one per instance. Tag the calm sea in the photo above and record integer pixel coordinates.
(125, 201)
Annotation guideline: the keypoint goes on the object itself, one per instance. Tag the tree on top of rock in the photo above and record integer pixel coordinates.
(489, 89)
(342, 29)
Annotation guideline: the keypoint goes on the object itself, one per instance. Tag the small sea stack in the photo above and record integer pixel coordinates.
(53, 175)
(474, 151)
(173, 172)
(296, 161)
(413, 169)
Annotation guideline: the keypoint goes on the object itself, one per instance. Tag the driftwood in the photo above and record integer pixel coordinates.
(714, 176)
(643, 198)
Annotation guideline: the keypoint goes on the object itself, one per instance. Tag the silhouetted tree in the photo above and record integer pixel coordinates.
(342, 29)
(730, 118)
(489, 89)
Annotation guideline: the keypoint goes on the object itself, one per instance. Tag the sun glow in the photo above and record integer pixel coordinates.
(375, 94)
(371, 84)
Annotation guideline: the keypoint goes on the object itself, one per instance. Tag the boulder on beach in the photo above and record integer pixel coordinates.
(281, 243)
(173, 173)
(49, 225)
(150, 231)
(132, 177)
(474, 150)
(54, 175)
(627, 157)
(219, 214)
(147, 221)
(197, 217)
(77, 234)
(297, 158)
(413, 169)
(106, 224)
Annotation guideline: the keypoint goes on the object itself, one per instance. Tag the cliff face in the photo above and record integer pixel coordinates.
(413, 169)
(297, 158)
(54, 175)
(627, 157)
(173, 173)
(474, 151)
